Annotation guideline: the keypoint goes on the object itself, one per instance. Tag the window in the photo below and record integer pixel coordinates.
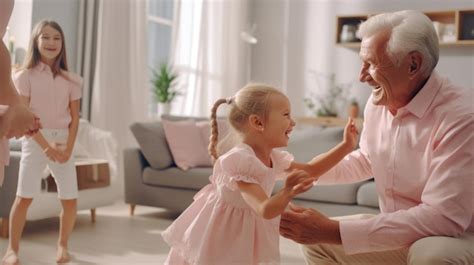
(160, 28)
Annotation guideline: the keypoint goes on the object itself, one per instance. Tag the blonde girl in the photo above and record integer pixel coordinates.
(235, 219)
(53, 93)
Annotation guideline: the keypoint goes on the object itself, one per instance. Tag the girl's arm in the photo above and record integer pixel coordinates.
(297, 182)
(322, 163)
(73, 127)
(50, 152)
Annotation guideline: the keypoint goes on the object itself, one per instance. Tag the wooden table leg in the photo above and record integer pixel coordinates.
(4, 228)
(132, 209)
(93, 215)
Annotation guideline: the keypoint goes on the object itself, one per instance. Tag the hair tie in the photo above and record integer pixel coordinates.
(229, 100)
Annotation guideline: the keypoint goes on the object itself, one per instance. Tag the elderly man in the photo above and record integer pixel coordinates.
(418, 145)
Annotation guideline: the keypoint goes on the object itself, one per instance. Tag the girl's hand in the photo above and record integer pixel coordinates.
(350, 134)
(63, 152)
(65, 156)
(298, 181)
(52, 154)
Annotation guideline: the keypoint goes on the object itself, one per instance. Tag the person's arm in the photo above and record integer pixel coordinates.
(270, 207)
(8, 93)
(74, 106)
(322, 163)
(49, 151)
(446, 200)
(446, 208)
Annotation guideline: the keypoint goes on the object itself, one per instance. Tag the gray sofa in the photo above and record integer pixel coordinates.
(152, 178)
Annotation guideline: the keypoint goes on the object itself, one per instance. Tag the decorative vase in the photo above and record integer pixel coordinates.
(164, 108)
(353, 110)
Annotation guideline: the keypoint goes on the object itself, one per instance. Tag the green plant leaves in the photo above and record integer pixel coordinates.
(163, 83)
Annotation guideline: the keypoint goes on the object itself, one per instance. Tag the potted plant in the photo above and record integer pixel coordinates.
(163, 88)
(327, 105)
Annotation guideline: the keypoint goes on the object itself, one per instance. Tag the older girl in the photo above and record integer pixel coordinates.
(53, 94)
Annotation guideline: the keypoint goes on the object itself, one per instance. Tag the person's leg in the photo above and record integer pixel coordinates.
(17, 223)
(327, 254)
(29, 182)
(334, 254)
(67, 220)
(66, 181)
(437, 250)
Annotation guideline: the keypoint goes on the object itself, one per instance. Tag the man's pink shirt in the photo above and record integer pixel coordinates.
(422, 162)
(49, 97)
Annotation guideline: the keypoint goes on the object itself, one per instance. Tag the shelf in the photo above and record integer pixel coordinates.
(455, 28)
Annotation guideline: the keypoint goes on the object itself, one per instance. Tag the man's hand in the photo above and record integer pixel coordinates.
(17, 121)
(307, 226)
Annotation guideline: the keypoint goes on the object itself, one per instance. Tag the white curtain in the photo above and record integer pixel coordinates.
(120, 89)
(208, 54)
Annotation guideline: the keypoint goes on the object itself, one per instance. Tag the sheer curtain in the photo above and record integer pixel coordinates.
(208, 54)
(120, 88)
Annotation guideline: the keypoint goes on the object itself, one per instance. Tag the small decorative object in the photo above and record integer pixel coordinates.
(353, 110)
(449, 33)
(439, 27)
(327, 106)
(163, 83)
(348, 33)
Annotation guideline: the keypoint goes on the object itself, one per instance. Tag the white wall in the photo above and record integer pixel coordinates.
(311, 44)
(20, 26)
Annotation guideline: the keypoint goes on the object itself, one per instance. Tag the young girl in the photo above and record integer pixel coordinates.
(53, 93)
(235, 220)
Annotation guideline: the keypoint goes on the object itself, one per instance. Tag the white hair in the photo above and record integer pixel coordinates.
(410, 31)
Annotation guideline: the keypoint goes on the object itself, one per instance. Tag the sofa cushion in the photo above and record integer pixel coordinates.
(340, 193)
(186, 144)
(152, 141)
(309, 142)
(195, 178)
(367, 195)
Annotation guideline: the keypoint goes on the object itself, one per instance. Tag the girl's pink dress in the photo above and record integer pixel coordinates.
(219, 227)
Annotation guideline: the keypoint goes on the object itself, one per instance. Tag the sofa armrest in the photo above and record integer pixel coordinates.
(8, 190)
(134, 164)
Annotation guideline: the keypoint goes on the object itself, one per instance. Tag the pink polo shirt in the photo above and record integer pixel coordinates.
(49, 97)
(422, 160)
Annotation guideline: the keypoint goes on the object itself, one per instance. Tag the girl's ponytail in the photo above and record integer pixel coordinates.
(214, 131)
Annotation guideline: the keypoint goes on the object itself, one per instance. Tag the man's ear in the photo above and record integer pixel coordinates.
(256, 122)
(414, 64)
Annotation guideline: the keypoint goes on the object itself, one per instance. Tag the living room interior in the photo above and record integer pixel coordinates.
(306, 48)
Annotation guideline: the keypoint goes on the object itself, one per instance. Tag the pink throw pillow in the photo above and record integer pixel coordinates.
(205, 128)
(186, 144)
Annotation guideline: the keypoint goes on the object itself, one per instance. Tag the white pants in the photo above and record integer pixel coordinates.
(35, 165)
(435, 250)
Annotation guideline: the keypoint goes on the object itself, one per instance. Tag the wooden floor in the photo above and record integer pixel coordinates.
(115, 238)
